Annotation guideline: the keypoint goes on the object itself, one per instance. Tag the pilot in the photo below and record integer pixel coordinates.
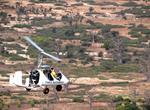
(53, 73)
(58, 76)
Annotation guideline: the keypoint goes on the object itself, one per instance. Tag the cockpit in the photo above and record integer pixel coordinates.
(52, 73)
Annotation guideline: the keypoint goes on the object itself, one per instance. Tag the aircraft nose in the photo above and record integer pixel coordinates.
(66, 81)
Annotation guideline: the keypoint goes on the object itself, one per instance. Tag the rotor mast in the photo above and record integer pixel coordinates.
(40, 60)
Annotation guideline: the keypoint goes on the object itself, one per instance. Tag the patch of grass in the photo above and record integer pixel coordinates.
(5, 54)
(15, 57)
(138, 11)
(22, 26)
(102, 97)
(78, 99)
(103, 78)
(112, 66)
(107, 3)
(4, 73)
(86, 72)
(13, 47)
(114, 83)
(40, 22)
(126, 68)
(132, 43)
(20, 98)
(130, 4)
(43, 1)
(5, 93)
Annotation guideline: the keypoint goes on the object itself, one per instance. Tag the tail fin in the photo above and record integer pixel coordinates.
(16, 78)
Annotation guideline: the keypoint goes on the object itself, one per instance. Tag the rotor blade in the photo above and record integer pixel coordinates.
(51, 56)
(41, 50)
(33, 44)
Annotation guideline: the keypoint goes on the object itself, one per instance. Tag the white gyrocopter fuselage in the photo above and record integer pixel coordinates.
(40, 78)
(43, 76)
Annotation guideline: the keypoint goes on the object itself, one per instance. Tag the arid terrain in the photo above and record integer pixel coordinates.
(104, 47)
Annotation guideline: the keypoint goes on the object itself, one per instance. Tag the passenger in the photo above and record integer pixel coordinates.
(34, 77)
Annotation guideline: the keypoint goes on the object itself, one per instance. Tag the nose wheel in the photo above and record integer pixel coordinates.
(46, 90)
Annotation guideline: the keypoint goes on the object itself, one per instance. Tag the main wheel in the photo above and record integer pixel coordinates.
(27, 89)
(59, 88)
(46, 90)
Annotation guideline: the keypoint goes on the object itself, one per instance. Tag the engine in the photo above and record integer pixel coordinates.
(59, 88)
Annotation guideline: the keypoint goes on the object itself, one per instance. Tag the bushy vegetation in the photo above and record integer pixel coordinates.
(15, 57)
(22, 26)
(140, 30)
(108, 3)
(40, 22)
(32, 102)
(132, 43)
(115, 84)
(4, 73)
(102, 97)
(3, 105)
(140, 12)
(13, 47)
(86, 72)
(130, 4)
(75, 52)
(20, 98)
(78, 99)
(3, 17)
(87, 1)
(46, 1)
(112, 66)
(125, 103)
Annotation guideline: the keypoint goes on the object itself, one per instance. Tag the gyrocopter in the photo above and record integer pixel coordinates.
(42, 76)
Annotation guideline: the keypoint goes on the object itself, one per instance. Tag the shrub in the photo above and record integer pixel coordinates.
(107, 44)
(3, 105)
(40, 22)
(127, 105)
(117, 98)
(78, 99)
(22, 26)
(130, 4)
(20, 98)
(108, 64)
(115, 84)
(32, 102)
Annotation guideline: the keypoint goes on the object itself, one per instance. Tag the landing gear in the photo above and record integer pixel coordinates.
(59, 88)
(27, 89)
(46, 90)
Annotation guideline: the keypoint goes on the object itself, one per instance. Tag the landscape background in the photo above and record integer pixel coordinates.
(104, 45)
